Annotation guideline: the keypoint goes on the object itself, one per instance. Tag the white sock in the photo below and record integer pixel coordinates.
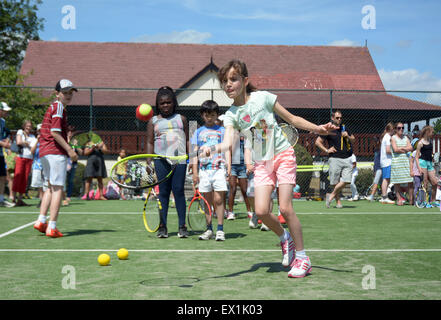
(301, 254)
(52, 224)
(42, 218)
(285, 236)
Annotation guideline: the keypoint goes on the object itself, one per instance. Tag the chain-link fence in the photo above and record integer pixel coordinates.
(110, 112)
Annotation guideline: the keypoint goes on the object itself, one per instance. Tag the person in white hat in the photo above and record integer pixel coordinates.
(4, 143)
(54, 151)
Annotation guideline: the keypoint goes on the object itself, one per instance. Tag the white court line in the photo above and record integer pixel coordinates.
(298, 213)
(16, 229)
(218, 250)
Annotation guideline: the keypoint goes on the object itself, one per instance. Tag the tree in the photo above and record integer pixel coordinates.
(18, 24)
(437, 126)
(26, 103)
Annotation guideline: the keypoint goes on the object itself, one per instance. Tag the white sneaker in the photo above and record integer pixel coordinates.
(220, 235)
(370, 198)
(300, 268)
(263, 227)
(356, 198)
(328, 203)
(253, 224)
(207, 235)
(387, 201)
(230, 216)
(288, 252)
(7, 204)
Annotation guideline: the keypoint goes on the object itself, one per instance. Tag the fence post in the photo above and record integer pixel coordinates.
(330, 101)
(91, 110)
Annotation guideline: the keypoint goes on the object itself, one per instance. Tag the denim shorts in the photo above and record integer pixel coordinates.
(239, 170)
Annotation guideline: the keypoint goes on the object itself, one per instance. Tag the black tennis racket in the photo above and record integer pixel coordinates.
(139, 170)
(198, 212)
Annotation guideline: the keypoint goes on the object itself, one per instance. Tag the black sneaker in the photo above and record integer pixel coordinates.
(162, 232)
(183, 233)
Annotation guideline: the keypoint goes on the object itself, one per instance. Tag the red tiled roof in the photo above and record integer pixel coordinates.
(152, 65)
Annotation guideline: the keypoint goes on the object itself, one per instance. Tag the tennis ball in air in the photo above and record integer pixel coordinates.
(122, 254)
(104, 259)
(144, 112)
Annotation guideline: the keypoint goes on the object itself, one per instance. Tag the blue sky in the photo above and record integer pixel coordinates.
(405, 43)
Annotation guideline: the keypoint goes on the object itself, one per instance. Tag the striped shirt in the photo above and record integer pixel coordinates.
(206, 136)
(400, 170)
(55, 119)
(170, 137)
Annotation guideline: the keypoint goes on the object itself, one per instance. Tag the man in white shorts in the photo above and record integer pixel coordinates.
(54, 151)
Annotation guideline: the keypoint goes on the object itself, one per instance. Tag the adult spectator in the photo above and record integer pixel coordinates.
(340, 157)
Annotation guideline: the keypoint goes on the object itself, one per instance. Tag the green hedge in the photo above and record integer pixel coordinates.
(303, 158)
(364, 180)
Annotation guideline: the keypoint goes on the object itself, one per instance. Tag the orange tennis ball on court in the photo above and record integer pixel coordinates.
(144, 112)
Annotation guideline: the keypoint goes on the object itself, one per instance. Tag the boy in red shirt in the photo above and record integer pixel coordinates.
(54, 151)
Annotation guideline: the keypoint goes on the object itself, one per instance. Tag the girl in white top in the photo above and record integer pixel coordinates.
(386, 161)
(254, 111)
(23, 162)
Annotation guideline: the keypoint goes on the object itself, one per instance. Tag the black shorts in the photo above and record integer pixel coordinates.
(2, 167)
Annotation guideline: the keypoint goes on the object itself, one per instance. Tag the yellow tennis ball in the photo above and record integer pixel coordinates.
(104, 259)
(122, 254)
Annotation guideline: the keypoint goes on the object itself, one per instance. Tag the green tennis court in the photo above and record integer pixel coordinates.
(363, 251)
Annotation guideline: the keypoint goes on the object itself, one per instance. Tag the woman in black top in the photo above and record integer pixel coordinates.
(424, 157)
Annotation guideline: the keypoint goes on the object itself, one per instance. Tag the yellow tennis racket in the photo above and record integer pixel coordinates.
(152, 211)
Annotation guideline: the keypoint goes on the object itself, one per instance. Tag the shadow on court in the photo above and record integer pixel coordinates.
(188, 282)
(85, 232)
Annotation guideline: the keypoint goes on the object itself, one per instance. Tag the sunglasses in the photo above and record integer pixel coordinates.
(337, 118)
(400, 128)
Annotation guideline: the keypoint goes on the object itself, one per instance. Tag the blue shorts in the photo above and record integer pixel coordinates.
(386, 172)
(239, 170)
(424, 164)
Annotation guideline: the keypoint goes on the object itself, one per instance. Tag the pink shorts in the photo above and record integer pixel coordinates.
(281, 169)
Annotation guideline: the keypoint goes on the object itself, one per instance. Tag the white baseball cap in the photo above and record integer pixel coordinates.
(65, 86)
(5, 107)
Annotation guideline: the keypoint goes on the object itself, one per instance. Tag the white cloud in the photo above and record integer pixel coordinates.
(255, 15)
(344, 43)
(412, 80)
(404, 44)
(186, 36)
(409, 79)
